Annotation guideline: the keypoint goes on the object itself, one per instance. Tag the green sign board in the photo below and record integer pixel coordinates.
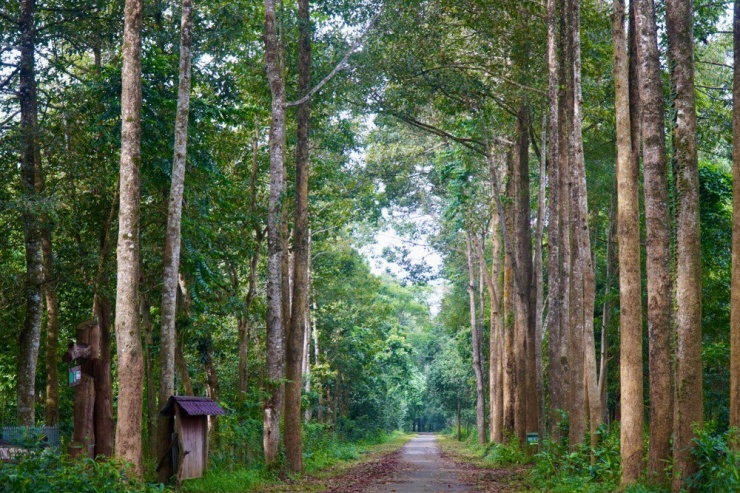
(75, 375)
(533, 439)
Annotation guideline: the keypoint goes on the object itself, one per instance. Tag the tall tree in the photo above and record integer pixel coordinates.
(554, 327)
(630, 289)
(583, 240)
(128, 336)
(689, 405)
(657, 220)
(275, 347)
(475, 329)
(735, 301)
(299, 305)
(526, 403)
(172, 238)
(28, 345)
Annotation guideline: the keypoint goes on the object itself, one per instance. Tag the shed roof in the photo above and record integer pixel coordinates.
(192, 406)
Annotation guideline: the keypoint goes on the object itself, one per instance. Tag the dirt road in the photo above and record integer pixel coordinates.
(421, 469)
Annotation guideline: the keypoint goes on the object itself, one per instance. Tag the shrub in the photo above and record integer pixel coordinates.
(719, 464)
(47, 472)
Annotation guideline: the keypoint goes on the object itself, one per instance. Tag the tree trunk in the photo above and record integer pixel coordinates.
(103, 380)
(630, 284)
(128, 336)
(509, 377)
(299, 303)
(611, 266)
(28, 344)
(101, 365)
(172, 240)
(84, 398)
(657, 219)
(735, 301)
(564, 130)
(497, 327)
(689, 409)
(583, 240)
(555, 293)
(51, 414)
(275, 349)
(526, 379)
(480, 418)
(538, 284)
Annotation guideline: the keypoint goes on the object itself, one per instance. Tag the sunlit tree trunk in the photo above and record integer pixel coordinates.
(496, 332)
(128, 336)
(630, 288)
(480, 418)
(172, 239)
(657, 219)
(555, 291)
(275, 348)
(689, 408)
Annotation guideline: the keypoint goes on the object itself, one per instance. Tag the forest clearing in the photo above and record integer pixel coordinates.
(370, 246)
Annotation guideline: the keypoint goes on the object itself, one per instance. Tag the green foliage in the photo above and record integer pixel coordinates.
(719, 463)
(558, 469)
(507, 454)
(47, 472)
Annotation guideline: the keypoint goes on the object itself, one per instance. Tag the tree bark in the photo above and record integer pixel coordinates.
(172, 239)
(689, 408)
(555, 293)
(480, 418)
(299, 303)
(735, 301)
(128, 335)
(51, 411)
(526, 384)
(630, 283)
(275, 349)
(102, 381)
(497, 325)
(657, 219)
(538, 283)
(583, 240)
(28, 343)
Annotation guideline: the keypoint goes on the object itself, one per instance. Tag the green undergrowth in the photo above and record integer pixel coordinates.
(557, 469)
(322, 450)
(49, 472)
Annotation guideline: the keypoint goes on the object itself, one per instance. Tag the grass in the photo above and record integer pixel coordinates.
(322, 463)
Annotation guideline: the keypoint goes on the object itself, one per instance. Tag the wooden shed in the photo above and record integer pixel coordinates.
(190, 438)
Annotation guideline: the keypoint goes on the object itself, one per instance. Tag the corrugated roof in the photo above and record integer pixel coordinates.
(192, 406)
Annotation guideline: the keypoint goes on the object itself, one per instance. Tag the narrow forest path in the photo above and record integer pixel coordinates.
(422, 469)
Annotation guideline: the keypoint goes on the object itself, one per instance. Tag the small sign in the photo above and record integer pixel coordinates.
(533, 439)
(75, 375)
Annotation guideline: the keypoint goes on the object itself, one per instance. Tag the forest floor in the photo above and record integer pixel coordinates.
(428, 463)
